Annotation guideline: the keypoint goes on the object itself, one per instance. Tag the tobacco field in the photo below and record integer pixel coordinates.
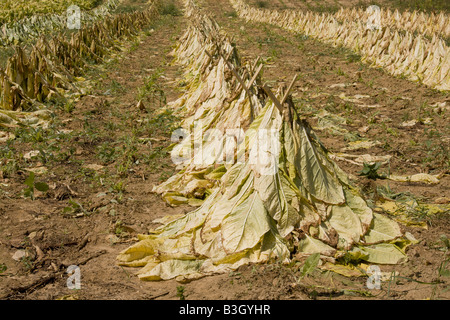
(224, 150)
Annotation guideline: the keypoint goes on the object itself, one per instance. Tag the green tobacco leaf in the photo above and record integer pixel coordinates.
(245, 226)
(217, 173)
(175, 200)
(317, 178)
(359, 207)
(277, 195)
(384, 253)
(355, 256)
(347, 224)
(383, 229)
(311, 245)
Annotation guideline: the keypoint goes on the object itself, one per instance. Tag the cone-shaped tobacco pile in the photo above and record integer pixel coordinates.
(283, 196)
(401, 53)
(51, 67)
(215, 104)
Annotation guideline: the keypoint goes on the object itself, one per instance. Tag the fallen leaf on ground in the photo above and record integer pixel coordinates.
(19, 255)
(5, 136)
(31, 154)
(443, 200)
(361, 159)
(362, 144)
(93, 166)
(38, 170)
(419, 177)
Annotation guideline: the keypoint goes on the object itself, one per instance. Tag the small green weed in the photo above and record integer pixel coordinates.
(74, 209)
(231, 14)
(31, 185)
(261, 4)
(310, 265)
(152, 90)
(370, 170)
(170, 8)
(180, 292)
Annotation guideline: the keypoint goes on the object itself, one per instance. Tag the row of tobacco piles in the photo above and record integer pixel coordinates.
(279, 198)
(423, 57)
(51, 69)
(31, 27)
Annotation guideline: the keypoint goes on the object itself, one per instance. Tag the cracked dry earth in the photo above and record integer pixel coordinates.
(105, 154)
